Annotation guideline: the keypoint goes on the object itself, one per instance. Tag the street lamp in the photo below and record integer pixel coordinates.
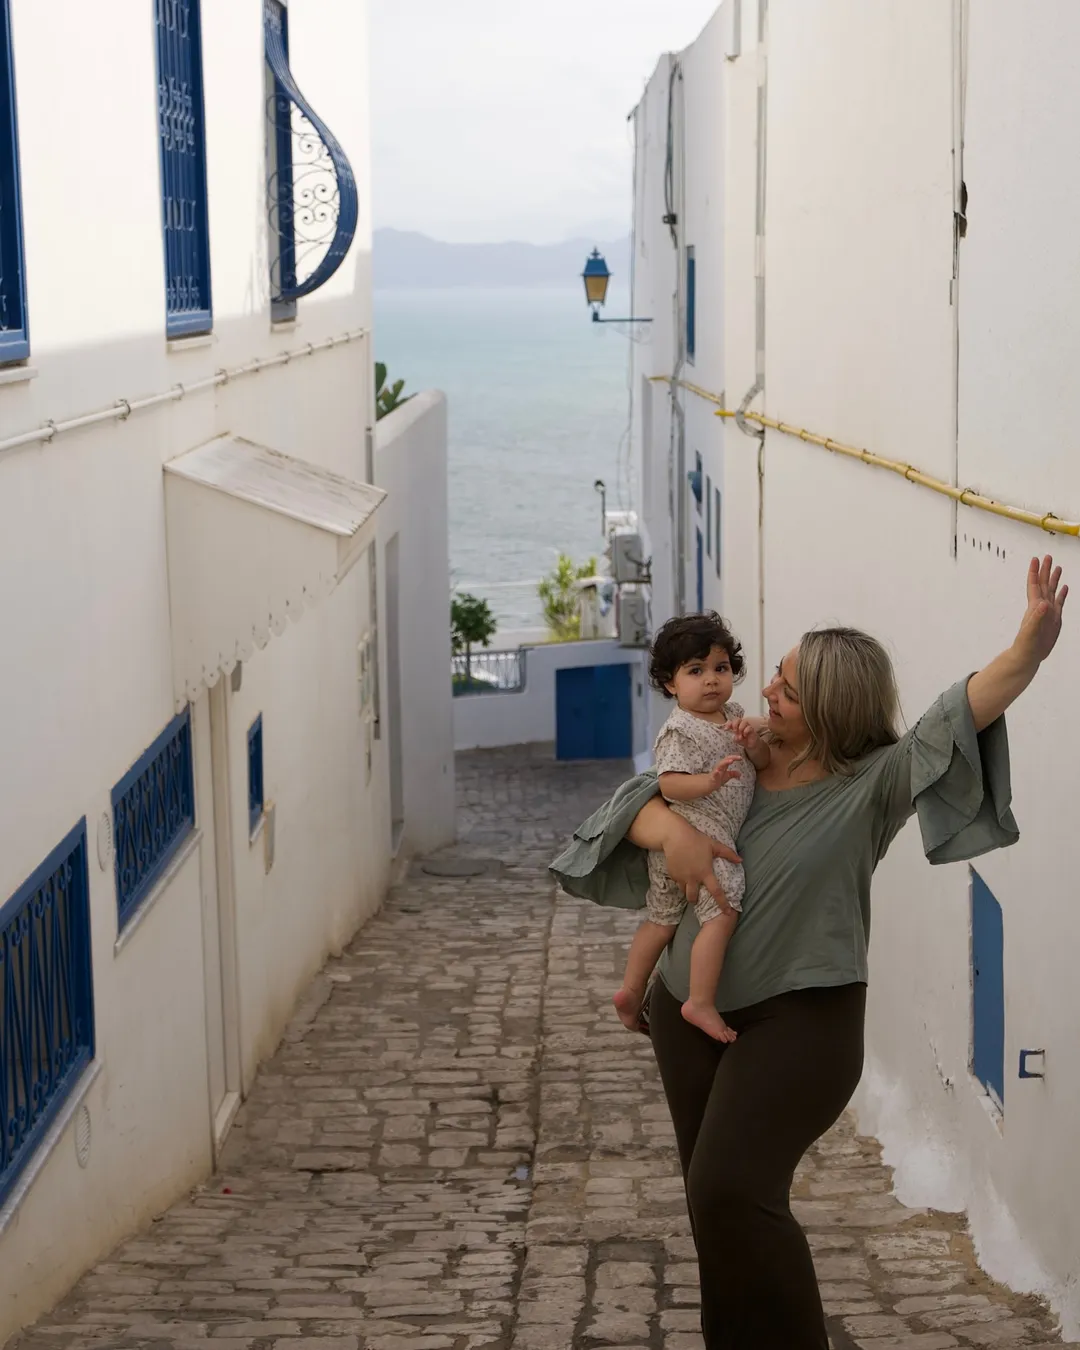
(596, 277)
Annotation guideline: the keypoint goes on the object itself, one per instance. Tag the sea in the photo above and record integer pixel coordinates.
(538, 405)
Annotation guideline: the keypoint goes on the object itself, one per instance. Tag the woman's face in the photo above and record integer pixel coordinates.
(786, 719)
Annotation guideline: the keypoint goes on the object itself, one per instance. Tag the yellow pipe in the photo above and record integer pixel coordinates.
(1048, 522)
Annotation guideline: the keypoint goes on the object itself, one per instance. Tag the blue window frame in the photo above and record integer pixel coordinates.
(256, 799)
(182, 132)
(700, 573)
(708, 517)
(716, 517)
(691, 305)
(153, 812)
(46, 1000)
(14, 325)
(313, 202)
(987, 989)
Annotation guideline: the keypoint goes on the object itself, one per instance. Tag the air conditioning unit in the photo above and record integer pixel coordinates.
(628, 562)
(633, 619)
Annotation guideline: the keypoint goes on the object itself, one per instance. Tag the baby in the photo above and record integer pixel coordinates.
(696, 660)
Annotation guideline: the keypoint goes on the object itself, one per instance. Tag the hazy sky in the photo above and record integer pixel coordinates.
(501, 119)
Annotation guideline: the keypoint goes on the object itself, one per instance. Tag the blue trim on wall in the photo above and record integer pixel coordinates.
(691, 305)
(46, 1000)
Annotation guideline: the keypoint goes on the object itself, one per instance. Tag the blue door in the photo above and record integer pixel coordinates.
(987, 988)
(593, 718)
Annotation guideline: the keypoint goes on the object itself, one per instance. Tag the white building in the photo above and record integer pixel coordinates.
(201, 799)
(871, 235)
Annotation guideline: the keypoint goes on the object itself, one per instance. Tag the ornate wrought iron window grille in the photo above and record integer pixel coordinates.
(182, 132)
(46, 1000)
(153, 812)
(312, 203)
(14, 327)
(256, 798)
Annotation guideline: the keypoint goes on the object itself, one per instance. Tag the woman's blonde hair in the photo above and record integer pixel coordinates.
(848, 695)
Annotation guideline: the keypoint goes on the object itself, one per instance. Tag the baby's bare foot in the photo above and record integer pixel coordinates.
(628, 1005)
(708, 1020)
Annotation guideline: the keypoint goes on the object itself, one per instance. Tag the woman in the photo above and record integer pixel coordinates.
(840, 785)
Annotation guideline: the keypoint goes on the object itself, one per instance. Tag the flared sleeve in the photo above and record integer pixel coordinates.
(956, 780)
(600, 863)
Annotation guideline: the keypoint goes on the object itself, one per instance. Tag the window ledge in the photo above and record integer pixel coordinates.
(179, 858)
(190, 344)
(48, 1145)
(17, 374)
(284, 325)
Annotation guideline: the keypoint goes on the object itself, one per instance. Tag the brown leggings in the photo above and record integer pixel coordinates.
(744, 1114)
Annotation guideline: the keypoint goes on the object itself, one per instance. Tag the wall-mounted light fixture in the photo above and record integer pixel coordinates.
(596, 277)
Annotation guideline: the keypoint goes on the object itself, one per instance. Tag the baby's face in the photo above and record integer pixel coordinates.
(704, 686)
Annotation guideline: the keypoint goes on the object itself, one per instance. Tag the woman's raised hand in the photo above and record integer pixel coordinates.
(1041, 624)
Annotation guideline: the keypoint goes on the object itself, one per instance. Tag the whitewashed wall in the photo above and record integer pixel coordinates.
(484, 721)
(863, 325)
(411, 465)
(85, 674)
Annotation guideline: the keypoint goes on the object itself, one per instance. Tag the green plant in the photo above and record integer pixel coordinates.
(471, 622)
(387, 396)
(559, 596)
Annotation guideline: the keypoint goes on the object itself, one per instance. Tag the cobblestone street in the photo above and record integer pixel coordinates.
(458, 1147)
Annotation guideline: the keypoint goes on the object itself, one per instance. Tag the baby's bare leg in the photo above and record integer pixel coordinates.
(706, 963)
(645, 950)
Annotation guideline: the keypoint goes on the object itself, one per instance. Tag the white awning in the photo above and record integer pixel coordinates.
(253, 537)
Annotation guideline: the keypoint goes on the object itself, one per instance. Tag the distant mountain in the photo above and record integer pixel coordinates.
(403, 258)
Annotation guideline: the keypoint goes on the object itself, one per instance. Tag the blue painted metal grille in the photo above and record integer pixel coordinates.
(313, 202)
(14, 334)
(46, 1000)
(987, 989)
(181, 126)
(256, 797)
(153, 810)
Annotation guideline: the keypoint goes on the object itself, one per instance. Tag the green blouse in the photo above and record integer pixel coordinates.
(810, 853)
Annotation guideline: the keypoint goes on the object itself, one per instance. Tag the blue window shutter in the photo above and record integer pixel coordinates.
(46, 1001)
(987, 989)
(182, 133)
(700, 574)
(256, 793)
(691, 305)
(14, 323)
(311, 242)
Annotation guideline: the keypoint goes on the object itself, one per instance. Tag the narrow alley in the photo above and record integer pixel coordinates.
(457, 1147)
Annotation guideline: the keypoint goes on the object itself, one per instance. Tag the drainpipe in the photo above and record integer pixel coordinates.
(758, 387)
(675, 201)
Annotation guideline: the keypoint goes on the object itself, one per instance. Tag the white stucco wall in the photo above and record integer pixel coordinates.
(411, 465)
(86, 671)
(863, 324)
(484, 721)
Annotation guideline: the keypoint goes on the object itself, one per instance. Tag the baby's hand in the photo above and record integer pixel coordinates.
(725, 772)
(746, 731)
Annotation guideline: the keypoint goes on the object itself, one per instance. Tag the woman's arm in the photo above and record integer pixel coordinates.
(999, 684)
(688, 854)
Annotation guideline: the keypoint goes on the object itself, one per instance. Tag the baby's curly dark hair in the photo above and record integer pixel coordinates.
(691, 637)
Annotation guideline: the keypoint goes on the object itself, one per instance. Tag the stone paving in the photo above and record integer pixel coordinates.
(458, 1147)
